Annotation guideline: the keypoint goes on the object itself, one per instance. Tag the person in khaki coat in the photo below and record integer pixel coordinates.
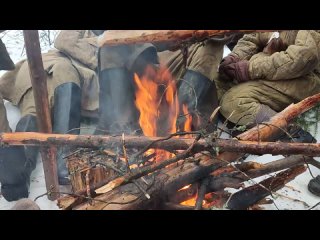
(5, 64)
(197, 76)
(270, 71)
(10, 156)
(117, 65)
(72, 83)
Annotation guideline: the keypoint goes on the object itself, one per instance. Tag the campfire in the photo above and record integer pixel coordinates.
(170, 168)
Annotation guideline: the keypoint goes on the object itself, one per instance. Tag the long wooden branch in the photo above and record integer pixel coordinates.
(121, 37)
(40, 92)
(224, 145)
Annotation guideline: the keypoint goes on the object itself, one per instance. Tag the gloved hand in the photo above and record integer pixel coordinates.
(238, 71)
(231, 58)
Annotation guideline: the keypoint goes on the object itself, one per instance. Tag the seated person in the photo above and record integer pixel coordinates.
(70, 72)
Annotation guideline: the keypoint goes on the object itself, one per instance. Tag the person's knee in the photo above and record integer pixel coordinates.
(239, 108)
(64, 72)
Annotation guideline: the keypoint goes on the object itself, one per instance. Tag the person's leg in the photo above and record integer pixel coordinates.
(66, 120)
(65, 98)
(116, 101)
(14, 167)
(255, 102)
(117, 110)
(197, 88)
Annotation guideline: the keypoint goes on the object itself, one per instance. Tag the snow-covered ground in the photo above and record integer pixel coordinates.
(294, 190)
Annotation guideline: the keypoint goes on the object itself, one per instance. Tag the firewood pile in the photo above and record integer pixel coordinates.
(121, 171)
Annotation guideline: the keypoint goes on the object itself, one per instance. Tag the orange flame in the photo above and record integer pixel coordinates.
(188, 122)
(157, 101)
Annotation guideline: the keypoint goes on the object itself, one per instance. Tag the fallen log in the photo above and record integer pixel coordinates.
(245, 198)
(223, 145)
(191, 172)
(234, 179)
(121, 37)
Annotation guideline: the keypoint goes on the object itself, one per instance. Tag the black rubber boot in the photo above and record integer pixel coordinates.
(117, 112)
(66, 119)
(314, 186)
(14, 176)
(298, 135)
(28, 123)
(199, 94)
(18, 163)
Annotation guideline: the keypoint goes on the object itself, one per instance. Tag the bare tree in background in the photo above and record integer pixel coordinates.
(15, 43)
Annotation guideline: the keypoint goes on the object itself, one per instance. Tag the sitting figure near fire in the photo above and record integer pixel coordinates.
(269, 71)
(196, 76)
(9, 155)
(118, 64)
(71, 74)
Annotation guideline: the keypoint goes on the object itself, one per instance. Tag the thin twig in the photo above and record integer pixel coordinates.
(134, 156)
(125, 153)
(224, 125)
(314, 206)
(283, 130)
(308, 167)
(293, 199)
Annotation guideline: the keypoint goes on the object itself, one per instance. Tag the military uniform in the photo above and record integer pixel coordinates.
(75, 62)
(277, 79)
(72, 84)
(203, 57)
(13, 164)
(199, 74)
(5, 64)
(117, 111)
(4, 125)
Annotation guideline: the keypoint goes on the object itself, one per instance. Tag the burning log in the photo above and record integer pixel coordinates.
(121, 37)
(249, 196)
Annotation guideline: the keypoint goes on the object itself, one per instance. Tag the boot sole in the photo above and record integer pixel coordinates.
(313, 192)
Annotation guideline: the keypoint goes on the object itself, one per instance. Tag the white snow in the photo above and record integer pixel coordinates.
(296, 189)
